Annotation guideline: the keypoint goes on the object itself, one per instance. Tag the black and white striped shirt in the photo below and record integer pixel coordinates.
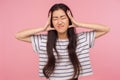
(64, 69)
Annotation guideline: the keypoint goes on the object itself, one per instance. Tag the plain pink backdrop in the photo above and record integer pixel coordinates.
(18, 60)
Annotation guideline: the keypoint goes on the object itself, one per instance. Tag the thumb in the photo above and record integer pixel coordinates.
(71, 26)
(69, 14)
(50, 28)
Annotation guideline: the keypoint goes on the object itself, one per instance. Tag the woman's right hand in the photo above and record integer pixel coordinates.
(25, 34)
(47, 26)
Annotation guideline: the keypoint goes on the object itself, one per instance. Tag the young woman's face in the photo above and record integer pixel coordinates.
(60, 21)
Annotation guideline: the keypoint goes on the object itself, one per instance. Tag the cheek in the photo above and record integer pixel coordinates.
(66, 22)
(54, 23)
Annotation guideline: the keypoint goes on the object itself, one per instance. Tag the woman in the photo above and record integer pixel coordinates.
(63, 53)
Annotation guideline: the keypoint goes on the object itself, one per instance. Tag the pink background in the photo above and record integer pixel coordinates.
(18, 60)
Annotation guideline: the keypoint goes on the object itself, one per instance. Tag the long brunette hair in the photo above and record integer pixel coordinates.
(51, 44)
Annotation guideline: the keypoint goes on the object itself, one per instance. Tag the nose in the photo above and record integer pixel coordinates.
(59, 21)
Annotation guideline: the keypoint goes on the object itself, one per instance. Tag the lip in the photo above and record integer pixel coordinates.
(60, 26)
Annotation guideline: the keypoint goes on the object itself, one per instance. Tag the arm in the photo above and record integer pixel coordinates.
(99, 28)
(24, 35)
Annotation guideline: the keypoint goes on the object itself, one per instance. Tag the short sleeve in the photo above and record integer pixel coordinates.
(36, 40)
(87, 37)
(90, 36)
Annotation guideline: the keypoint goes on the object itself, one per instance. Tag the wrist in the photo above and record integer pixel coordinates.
(43, 29)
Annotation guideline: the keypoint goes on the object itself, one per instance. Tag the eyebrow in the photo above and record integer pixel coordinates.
(60, 16)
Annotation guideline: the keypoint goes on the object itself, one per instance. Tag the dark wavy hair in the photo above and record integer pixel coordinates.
(51, 44)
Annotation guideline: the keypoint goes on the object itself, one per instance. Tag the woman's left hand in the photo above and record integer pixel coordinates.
(74, 22)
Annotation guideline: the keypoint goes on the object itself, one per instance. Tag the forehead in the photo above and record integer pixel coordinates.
(58, 12)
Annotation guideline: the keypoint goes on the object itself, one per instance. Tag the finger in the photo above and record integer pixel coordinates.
(71, 26)
(49, 15)
(48, 20)
(69, 14)
(50, 28)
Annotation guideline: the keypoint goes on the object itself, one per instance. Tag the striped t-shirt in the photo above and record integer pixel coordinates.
(64, 68)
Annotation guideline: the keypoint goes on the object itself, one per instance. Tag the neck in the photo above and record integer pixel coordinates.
(62, 35)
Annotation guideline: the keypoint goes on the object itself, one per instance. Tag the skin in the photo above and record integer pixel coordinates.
(100, 29)
(61, 24)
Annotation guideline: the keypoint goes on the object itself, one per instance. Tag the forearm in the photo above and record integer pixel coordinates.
(97, 27)
(28, 32)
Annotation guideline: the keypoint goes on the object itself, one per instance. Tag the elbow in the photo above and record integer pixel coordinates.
(107, 29)
(103, 28)
(17, 36)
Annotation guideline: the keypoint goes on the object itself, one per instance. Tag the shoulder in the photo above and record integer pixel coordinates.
(87, 37)
(86, 33)
(43, 36)
(38, 37)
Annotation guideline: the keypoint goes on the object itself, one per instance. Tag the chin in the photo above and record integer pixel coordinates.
(61, 32)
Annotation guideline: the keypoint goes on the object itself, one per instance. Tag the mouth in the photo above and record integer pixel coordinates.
(60, 26)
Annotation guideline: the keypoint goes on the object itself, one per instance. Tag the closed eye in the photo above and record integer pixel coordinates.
(63, 17)
(55, 18)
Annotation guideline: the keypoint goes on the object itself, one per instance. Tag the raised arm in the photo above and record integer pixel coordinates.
(24, 35)
(99, 28)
